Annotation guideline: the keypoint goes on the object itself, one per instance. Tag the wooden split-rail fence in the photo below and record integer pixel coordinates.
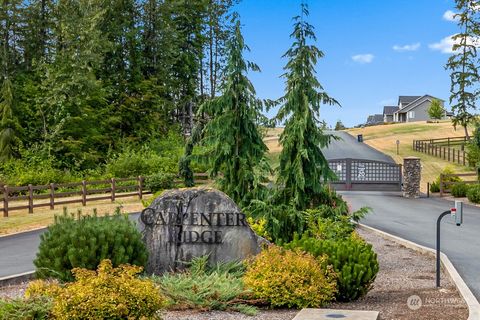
(55, 194)
(444, 148)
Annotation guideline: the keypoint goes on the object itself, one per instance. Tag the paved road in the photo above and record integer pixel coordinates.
(349, 147)
(415, 220)
(18, 251)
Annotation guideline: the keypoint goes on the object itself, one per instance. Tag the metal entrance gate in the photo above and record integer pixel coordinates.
(366, 175)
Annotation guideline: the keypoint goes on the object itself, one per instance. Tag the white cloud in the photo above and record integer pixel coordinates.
(449, 15)
(446, 44)
(363, 58)
(407, 47)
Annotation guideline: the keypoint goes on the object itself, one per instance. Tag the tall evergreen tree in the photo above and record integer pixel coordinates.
(464, 64)
(303, 168)
(7, 121)
(70, 90)
(237, 148)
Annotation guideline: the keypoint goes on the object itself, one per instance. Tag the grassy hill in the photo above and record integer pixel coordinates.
(384, 137)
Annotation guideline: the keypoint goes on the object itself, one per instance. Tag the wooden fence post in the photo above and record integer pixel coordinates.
(5, 201)
(113, 189)
(441, 184)
(448, 154)
(140, 187)
(463, 157)
(30, 198)
(84, 193)
(52, 196)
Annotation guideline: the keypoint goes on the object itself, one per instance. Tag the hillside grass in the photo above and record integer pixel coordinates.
(384, 137)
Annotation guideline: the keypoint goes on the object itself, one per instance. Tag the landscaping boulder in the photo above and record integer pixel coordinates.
(182, 224)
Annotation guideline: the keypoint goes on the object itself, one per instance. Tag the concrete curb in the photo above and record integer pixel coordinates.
(467, 295)
(17, 278)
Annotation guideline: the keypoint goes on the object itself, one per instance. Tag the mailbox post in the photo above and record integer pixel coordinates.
(457, 215)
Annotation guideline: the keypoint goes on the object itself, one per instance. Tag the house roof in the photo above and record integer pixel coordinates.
(407, 99)
(417, 102)
(389, 110)
(376, 118)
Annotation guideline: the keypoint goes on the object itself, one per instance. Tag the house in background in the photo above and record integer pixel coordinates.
(388, 112)
(411, 108)
(374, 120)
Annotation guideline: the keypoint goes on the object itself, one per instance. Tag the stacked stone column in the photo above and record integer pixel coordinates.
(412, 173)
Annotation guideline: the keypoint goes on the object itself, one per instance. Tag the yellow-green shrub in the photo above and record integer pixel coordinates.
(108, 293)
(290, 278)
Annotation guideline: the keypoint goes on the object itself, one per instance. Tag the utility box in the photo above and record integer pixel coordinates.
(360, 138)
(459, 213)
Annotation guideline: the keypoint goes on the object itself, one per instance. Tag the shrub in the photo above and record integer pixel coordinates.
(353, 260)
(160, 181)
(448, 171)
(473, 193)
(459, 190)
(434, 187)
(324, 228)
(37, 308)
(84, 242)
(205, 288)
(108, 293)
(144, 161)
(290, 278)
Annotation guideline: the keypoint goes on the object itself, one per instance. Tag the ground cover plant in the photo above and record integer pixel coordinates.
(207, 288)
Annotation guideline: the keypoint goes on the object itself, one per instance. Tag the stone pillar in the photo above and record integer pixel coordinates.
(412, 173)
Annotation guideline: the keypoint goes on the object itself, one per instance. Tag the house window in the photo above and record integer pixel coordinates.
(411, 114)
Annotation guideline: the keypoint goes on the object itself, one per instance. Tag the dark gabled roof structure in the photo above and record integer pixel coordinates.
(375, 119)
(389, 110)
(407, 99)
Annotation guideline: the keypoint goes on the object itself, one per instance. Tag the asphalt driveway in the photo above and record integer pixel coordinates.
(415, 220)
(348, 147)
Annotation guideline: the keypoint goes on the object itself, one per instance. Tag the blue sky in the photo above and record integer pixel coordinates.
(375, 50)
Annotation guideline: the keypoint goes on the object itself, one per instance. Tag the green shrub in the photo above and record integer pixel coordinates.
(205, 288)
(160, 181)
(108, 293)
(290, 278)
(37, 308)
(353, 260)
(435, 187)
(141, 162)
(459, 190)
(473, 193)
(84, 242)
(448, 171)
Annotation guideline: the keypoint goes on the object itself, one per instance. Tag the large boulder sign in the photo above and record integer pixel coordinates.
(182, 224)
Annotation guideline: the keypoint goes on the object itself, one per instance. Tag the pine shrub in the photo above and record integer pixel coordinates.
(108, 293)
(285, 278)
(353, 260)
(84, 242)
